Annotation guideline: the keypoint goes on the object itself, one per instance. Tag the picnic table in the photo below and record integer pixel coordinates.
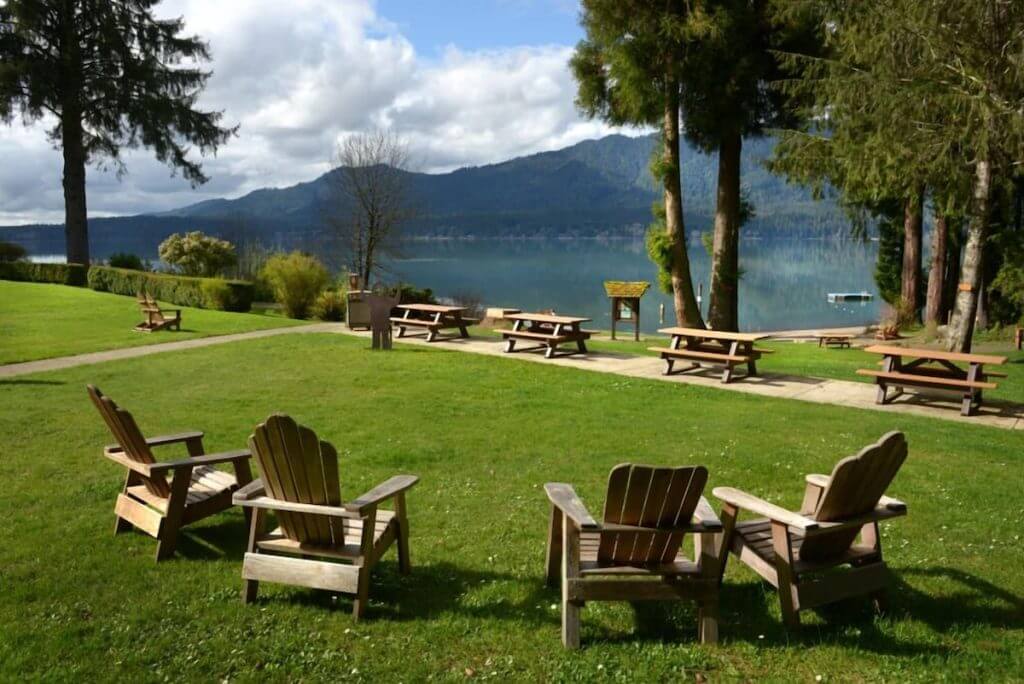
(711, 347)
(838, 340)
(908, 367)
(432, 318)
(548, 331)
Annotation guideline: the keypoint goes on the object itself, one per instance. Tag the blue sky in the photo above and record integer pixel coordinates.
(431, 25)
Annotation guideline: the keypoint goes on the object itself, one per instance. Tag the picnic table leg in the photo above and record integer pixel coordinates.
(401, 328)
(463, 332)
(727, 373)
(581, 346)
(510, 343)
(887, 366)
(971, 395)
(432, 332)
(748, 349)
(552, 346)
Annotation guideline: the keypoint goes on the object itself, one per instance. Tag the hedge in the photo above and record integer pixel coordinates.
(208, 293)
(64, 274)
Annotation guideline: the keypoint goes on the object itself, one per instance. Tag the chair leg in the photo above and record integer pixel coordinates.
(168, 537)
(570, 570)
(362, 593)
(404, 564)
(256, 517)
(783, 548)
(707, 621)
(553, 562)
(724, 539)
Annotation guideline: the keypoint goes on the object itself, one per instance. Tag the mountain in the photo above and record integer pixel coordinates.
(594, 188)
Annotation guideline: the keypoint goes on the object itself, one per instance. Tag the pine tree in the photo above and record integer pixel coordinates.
(628, 72)
(112, 75)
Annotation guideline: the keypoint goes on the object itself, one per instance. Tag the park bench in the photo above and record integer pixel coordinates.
(711, 347)
(432, 318)
(635, 553)
(320, 542)
(798, 552)
(549, 331)
(148, 501)
(934, 369)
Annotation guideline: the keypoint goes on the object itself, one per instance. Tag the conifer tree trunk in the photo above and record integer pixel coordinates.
(910, 292)
(76, 227)
(933, 313)
(684, 301)
(961, 327)
(723, 313)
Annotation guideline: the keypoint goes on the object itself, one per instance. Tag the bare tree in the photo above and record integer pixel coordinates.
(371, 199)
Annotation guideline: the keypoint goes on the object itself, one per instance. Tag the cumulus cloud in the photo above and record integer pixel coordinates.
(299, 76)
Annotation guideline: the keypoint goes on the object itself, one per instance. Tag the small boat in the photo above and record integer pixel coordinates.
(834, 297)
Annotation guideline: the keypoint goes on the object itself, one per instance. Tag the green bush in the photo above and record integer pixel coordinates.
(126, 260)
(407, 294)
(227, 295)
(196, 254)
(63, 274)
(297, 279)
(330, 305)
(10, 251)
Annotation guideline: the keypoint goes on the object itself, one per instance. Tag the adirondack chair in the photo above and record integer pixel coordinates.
(381, 304)
(793, 551)
(148, 501)
(635, 553)
(300, 485)
(156, 318)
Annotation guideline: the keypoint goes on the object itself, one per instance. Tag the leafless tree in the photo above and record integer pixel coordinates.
(371, 200)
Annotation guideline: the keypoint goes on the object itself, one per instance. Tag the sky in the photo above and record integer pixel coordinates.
(463, 82)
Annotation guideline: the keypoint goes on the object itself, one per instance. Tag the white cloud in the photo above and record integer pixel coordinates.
(298, 76)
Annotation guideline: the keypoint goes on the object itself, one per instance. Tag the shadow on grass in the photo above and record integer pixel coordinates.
(31, 382)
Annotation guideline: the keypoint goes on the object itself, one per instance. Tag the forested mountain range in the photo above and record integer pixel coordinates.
(594, 188)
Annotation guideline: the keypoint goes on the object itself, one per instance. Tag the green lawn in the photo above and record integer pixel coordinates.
(40, 321)
(483, 434)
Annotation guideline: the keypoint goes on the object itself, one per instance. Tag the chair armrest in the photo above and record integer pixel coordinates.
(706, 516)
(563, 497)
(382, 492)
(753, 504)
(253, 490)
(818, 480)
(205, 460)
(162, 440)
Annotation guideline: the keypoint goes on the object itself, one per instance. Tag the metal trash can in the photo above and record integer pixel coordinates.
(357, 311)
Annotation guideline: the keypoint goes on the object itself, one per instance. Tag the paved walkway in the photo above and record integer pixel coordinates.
(816, 390)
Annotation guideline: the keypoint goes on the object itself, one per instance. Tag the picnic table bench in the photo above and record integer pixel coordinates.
(936, 369)
(548, 331)
(838, 340)
(432, 318)
(711, 347)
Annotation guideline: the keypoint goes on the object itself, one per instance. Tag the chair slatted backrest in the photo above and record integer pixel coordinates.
(128, 436)
(299, 468)
(648, 496)
(856, 485)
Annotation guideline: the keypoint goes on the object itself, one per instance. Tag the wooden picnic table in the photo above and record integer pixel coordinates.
(548, 330)
(839, 340)
(936, 369)
(432, 318)
(712, 347)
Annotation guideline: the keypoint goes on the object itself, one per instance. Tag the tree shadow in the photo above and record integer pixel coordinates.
(32, 382)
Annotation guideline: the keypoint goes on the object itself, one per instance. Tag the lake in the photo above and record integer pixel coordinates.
(784, 285)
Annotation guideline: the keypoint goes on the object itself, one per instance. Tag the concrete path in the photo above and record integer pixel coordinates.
(14, 369)
(816, 390)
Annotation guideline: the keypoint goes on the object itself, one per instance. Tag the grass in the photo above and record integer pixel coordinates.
(483, 434)
(39, 321)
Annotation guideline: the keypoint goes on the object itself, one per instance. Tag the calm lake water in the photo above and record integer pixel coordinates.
(784, 284)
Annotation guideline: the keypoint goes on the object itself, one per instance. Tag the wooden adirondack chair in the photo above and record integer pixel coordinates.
(156, 318)
(791, 551)
(148, 501)
(635, 554)
(300, 485)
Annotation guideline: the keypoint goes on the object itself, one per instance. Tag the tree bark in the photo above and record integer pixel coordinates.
(687, 311)
(954, 245)
(723, 313)
(934, 313)
(961, 327)
(910, 291)
(76, 227)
